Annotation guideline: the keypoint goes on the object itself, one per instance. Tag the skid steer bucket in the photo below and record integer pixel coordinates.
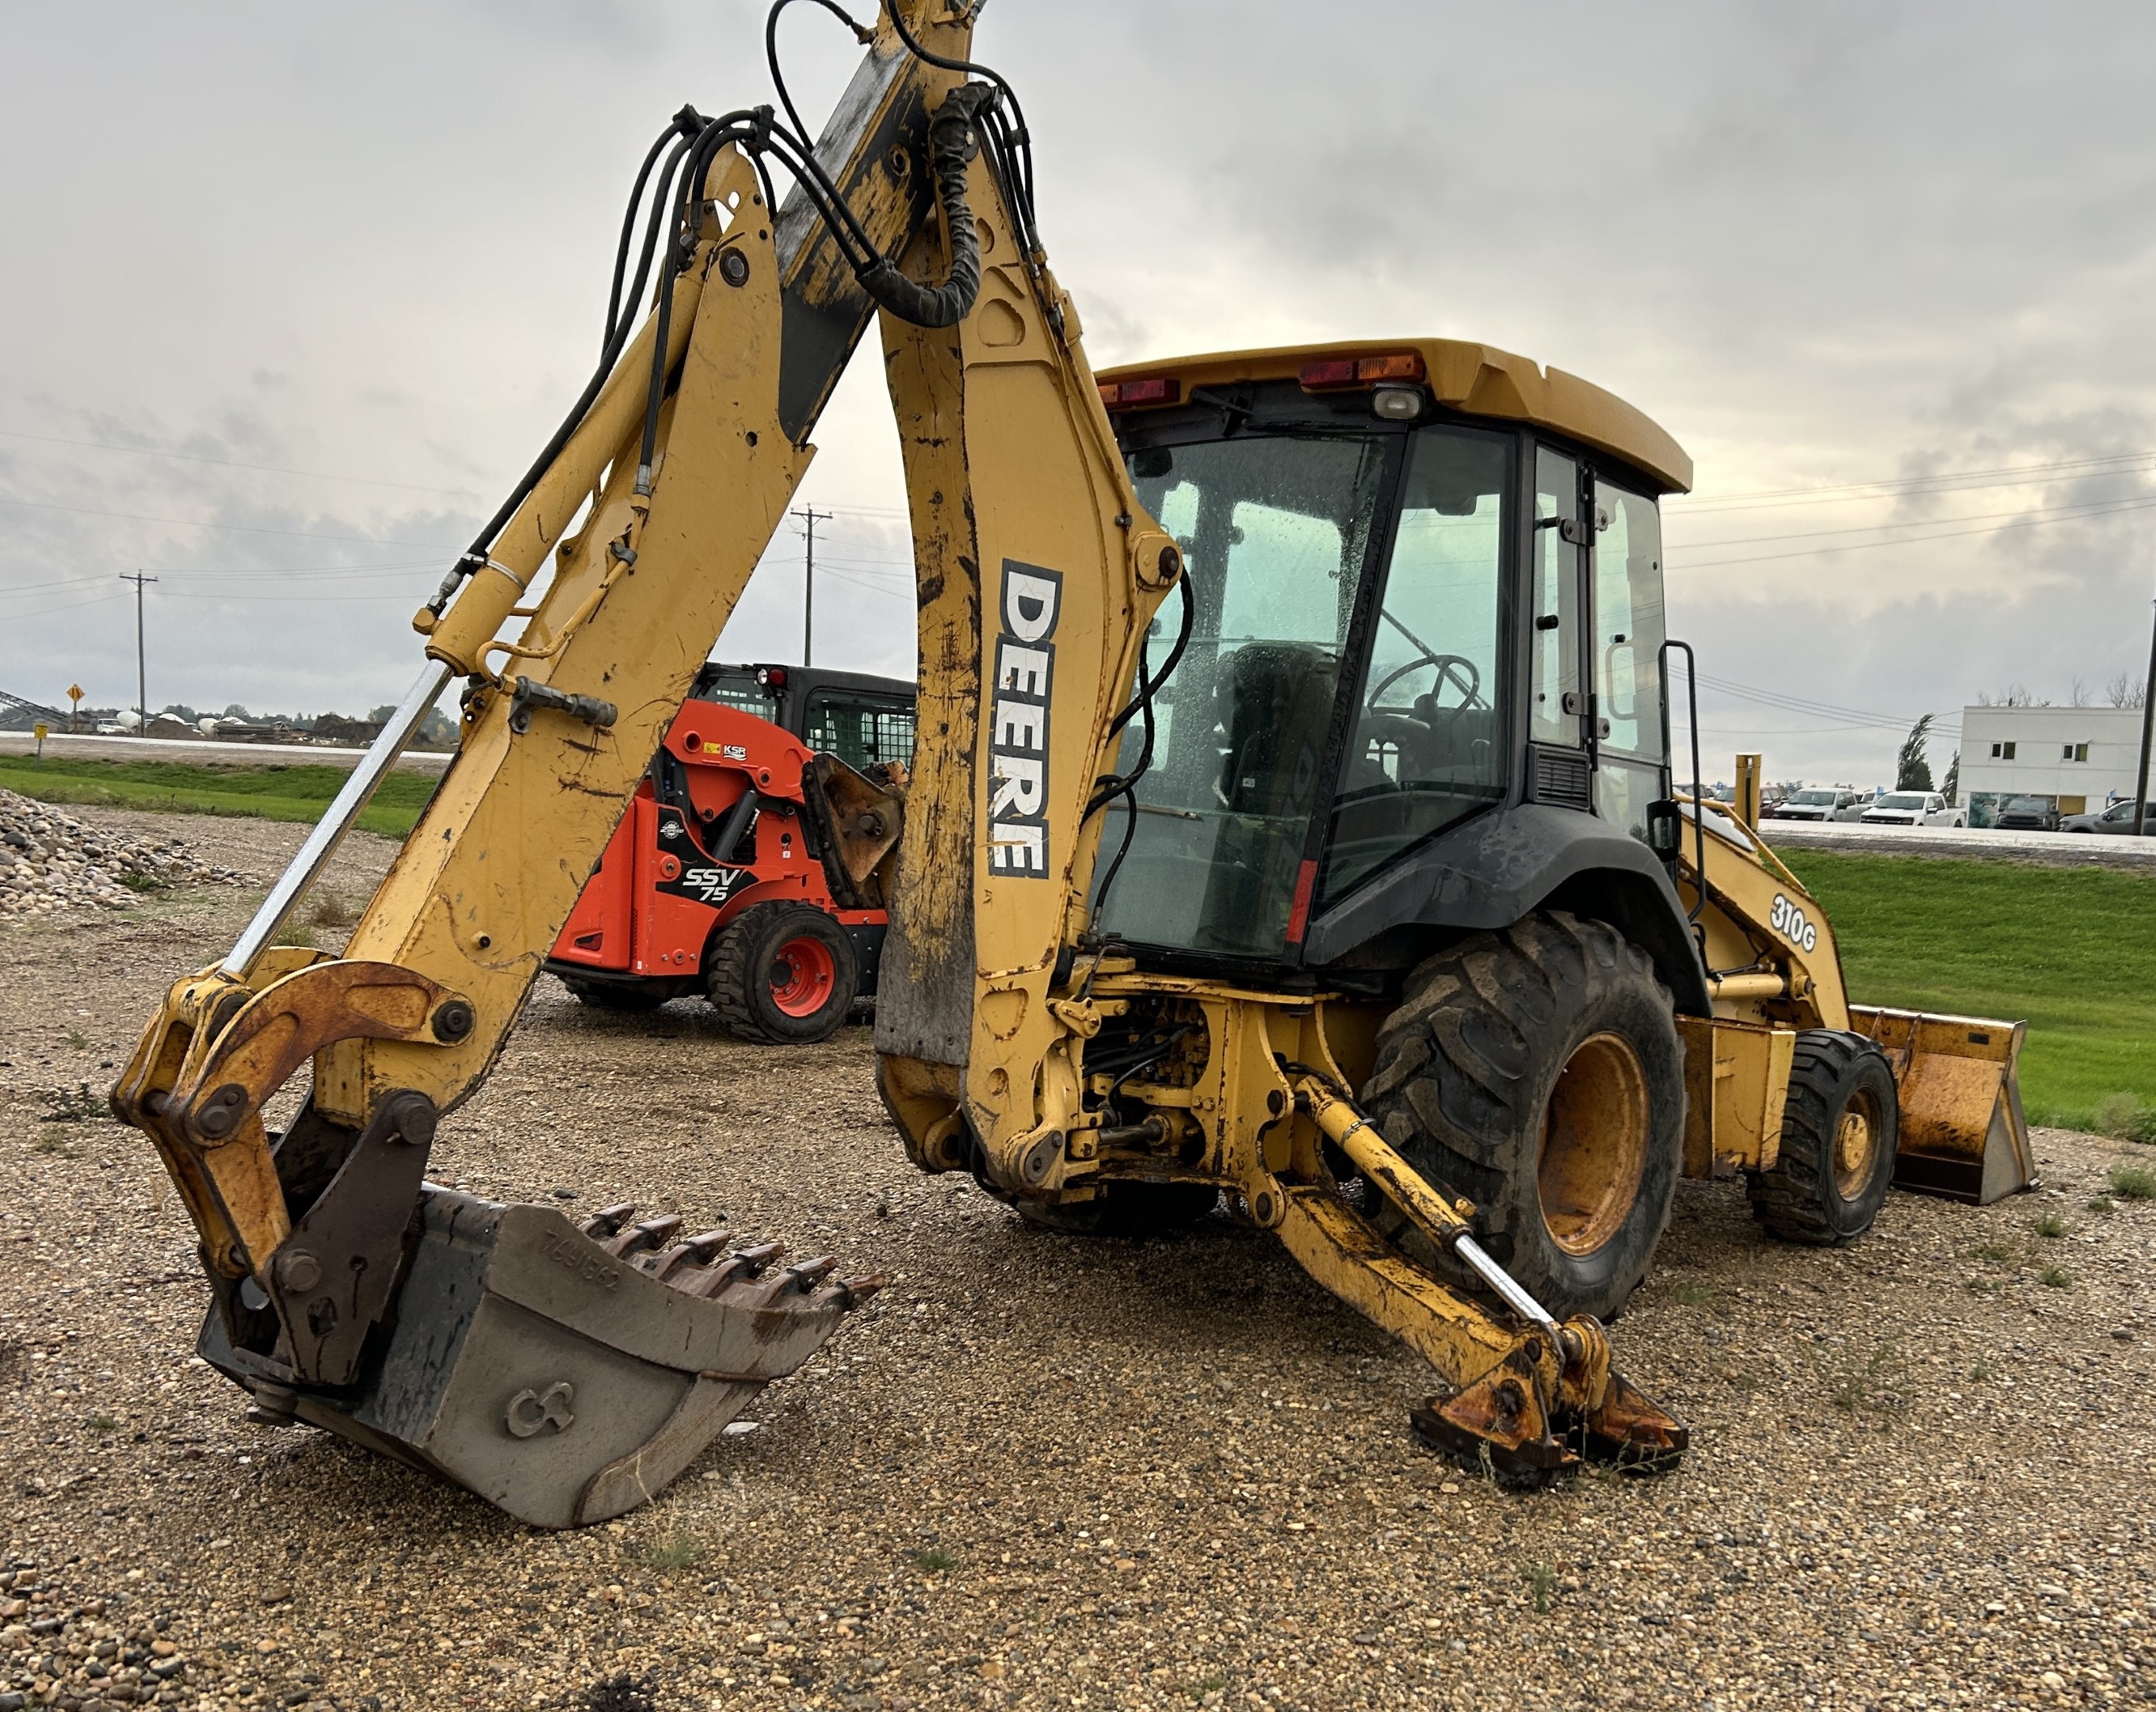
(1963, 1133)
(563, 1372)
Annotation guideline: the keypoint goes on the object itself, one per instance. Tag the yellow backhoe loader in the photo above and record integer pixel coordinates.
(1291, 824)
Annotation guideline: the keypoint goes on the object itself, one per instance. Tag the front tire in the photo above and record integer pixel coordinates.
(783, 975)
(1841, 1130)
(1538, 1072)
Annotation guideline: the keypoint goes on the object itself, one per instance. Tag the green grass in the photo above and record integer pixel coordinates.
(2133, 1183)
(2072, 950)
(282, 792)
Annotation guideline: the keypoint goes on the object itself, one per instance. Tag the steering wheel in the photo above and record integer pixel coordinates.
(1456, 669)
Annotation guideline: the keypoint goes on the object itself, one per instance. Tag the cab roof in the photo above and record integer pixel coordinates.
(1478, 380)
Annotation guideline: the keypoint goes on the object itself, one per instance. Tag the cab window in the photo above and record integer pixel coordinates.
(862, 730)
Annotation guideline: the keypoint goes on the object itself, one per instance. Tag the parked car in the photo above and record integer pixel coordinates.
(2118, 818)
(2029, 814)
(1838, 803)
(1914, 808)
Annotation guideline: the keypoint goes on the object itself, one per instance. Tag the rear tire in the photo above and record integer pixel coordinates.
(1129, 1211)
(783, 975)
(1840, 1132)
(608, 995)
(1538, 1072)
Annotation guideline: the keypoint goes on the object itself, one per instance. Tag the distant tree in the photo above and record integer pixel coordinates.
(2013, 695)
(235, 711)
(2078, 694)
(2125, 691)
(1952, 787)
(180, 710)
(381, 715)
(1913, 772)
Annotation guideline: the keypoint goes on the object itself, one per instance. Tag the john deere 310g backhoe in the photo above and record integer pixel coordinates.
(1292, 819)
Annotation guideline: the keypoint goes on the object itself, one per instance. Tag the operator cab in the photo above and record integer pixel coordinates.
(1425, 594)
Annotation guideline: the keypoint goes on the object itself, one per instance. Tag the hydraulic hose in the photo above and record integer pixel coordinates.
(950, 142)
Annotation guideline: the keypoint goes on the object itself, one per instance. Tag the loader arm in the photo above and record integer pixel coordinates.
(473, 1338)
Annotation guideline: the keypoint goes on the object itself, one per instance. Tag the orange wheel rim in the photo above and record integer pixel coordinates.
(803, 973)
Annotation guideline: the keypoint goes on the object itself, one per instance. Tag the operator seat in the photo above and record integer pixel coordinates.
(1274, 700)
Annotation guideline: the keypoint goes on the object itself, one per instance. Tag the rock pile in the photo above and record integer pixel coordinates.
(52, 863)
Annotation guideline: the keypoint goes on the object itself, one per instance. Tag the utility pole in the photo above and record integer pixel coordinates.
(2141, 817)
(811, 516)
(141, 666)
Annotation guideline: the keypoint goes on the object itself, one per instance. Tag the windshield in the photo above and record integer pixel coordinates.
(2028, 805)
(1816, 799)
(862, 729)
(1900, 800)
(1275, 532)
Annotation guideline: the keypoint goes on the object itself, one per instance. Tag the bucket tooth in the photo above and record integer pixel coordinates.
(554, 1379)
(640, 1238)
(804, 1274)
(743, 1264)
(859, 1289)
(608, 1220)
(691, 1251)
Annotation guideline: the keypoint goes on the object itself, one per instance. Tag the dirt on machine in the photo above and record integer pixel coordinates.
(1291, 829)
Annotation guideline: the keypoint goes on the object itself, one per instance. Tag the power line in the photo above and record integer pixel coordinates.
(2025, 512)
(810, 515)
(141, 667)
(372, 541)
(236, 463)
(2031, 521)
(1939, 477)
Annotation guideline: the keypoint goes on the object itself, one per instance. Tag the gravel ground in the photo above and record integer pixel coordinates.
(1041, 1472)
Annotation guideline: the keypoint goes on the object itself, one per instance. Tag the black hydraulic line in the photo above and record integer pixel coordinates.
(1021, 139)
(950, 137)
(865, 36)
(475, 556)
(1106, 790)
(629, 230)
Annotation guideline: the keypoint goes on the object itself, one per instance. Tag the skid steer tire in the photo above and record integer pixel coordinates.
(607, 996)
(1538, 1072)
(783, 975)
(1127, 1211)
(1840, 1132)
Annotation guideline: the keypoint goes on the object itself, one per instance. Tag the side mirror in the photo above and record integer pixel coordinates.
(1666, 829)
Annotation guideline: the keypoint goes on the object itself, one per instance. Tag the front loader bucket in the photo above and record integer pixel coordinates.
(1963, 1133)
(566, 1373)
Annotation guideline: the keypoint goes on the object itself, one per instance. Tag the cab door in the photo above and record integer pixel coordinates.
(1627, 729)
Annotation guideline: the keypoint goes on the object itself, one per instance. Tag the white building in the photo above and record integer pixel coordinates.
(2076, 758)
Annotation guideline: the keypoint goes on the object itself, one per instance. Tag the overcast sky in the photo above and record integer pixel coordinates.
(1886, 272)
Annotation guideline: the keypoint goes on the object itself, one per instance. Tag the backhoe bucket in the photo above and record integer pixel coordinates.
(1963, 1133)
(564, 1373)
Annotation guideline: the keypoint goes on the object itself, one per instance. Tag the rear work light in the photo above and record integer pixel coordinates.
(1333, 374)
(1127, 395)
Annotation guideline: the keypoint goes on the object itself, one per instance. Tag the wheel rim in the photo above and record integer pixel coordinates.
(803, 973)
(1855, 1144)
(1594, 1144)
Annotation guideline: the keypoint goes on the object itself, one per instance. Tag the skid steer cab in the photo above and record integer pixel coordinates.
(714, 883)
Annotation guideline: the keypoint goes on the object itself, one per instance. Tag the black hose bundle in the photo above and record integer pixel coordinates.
(967, 116)
(950, 143)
